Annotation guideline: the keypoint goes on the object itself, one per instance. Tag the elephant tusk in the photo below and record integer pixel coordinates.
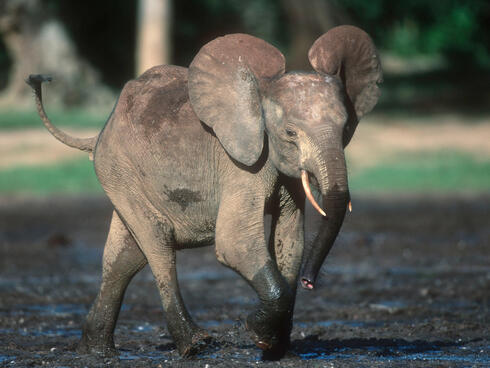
(350, 206)
(306, 187)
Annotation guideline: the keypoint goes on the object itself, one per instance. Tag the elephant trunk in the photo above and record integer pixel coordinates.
(335, 203)
(327, 164)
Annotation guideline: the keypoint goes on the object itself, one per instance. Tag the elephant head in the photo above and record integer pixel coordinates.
(238, 86)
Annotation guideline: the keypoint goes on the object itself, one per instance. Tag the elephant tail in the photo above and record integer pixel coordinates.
(84, 144)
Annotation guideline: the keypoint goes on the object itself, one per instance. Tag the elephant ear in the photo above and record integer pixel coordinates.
(225, 80)
(349, 52)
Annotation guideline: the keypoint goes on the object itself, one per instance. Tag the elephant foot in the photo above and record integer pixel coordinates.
(104, 348)
(270, 334)
(197, 344)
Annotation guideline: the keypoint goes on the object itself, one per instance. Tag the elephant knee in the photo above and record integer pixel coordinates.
(220, 257)
(230, 254)
(221, 251)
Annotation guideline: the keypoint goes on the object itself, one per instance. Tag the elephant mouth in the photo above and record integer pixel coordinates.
(305, 179)
(313, 180)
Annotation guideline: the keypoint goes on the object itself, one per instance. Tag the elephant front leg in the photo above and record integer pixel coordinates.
(240, 245)
(287, 239)
(270, 323)
(286, 243)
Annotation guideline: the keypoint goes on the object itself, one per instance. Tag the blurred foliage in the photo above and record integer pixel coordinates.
(438, 91)
(105, 31)
(200, 21)
(4, 64)
(105, 34)
(457, 29)
(263, 17)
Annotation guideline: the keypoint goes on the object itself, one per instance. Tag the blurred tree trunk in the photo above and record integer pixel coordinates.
(154, 43)
(38, 44)
(308, 20)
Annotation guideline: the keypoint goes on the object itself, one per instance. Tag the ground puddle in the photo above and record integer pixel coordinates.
(390, 350)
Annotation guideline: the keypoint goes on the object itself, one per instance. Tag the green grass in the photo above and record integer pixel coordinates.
(433, 172)
(70, 177)
(22, 119)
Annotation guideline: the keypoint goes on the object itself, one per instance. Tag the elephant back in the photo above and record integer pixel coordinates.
(156, 98)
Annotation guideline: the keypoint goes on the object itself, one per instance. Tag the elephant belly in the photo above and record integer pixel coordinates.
(171, 173)
(187, 201)
(180, 181)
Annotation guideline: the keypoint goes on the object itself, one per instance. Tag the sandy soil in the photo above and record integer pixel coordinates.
(35, 147)
(379, 137)
(407, 284)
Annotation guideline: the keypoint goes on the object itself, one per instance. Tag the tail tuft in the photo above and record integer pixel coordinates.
(35, 80)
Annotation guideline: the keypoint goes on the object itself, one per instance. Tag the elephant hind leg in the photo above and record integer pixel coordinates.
(155, 235)
(121, 261)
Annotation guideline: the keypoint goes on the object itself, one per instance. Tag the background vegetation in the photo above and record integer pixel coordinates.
(436, 59)
(105, 32)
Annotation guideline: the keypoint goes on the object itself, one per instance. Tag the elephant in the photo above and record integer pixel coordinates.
(197, 156)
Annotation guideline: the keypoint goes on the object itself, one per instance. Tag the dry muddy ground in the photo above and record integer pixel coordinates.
(407, 284)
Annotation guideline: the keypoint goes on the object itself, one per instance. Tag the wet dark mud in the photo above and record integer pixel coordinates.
(407, 284)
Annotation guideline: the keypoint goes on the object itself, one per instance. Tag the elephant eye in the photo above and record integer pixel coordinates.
(290, 132)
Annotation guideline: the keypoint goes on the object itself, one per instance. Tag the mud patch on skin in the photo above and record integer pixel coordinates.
(148, 77)
(184, 197)
(163, 105)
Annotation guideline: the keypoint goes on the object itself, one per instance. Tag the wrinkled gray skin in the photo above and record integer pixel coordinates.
(195, 157)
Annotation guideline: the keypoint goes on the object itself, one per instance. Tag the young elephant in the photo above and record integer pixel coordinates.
(192, 157)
